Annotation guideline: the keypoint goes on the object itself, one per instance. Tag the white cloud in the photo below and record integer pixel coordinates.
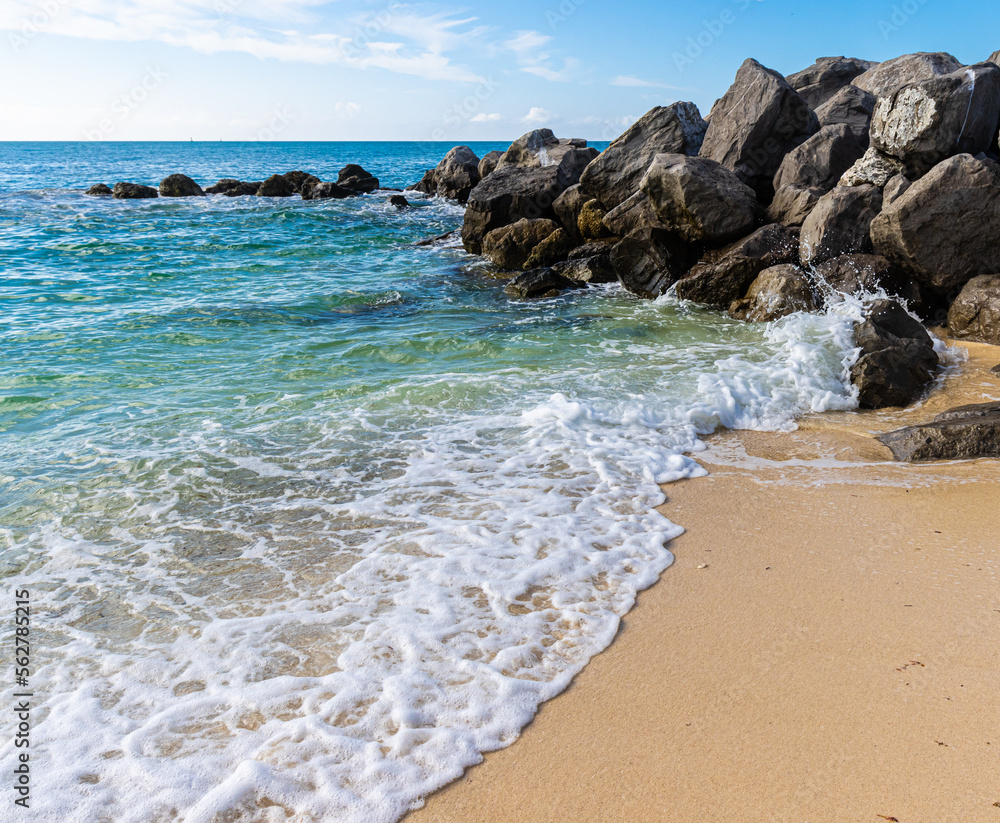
(348, 111)
(637, 82)
(482, 117)
(569, 71)
(537, 115)
(526, 43)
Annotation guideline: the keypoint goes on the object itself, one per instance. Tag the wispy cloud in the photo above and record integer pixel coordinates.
(482, 117)
(637, 82)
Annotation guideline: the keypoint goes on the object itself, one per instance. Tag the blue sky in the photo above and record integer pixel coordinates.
(392, 69)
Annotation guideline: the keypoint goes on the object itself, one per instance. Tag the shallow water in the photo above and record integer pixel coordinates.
(310, 516)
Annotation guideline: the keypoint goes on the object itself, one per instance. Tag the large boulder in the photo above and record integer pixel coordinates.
(792, 205)
(541, 148)
(885, 78)
(700, 199)
(300, 180)
(962, 433)
(454, 177)
(243, 188)
(944, 227)
(726, 275)
(180, 185)
(224, 185)
(873, 169)
(975, 314)
(821, 161)
(538, 283)
(489, 162)
(924, 123)
(615, 174)
(852, 107)
(100, 190)
(839, 224)
(568, 206)
(553, 249)
(275, 186)
(650, 260)
(594, 268)
(633, 214)
(509, 247)
(775, 293)
(897, 357)
(326, 190)
(869, 273)
(755, 124)
(355, 178)
(824, 78)
(133, 191)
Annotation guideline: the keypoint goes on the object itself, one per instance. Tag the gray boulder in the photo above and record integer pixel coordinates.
(650, 260)
(326, 191)
(567, 207)
(824, 78)
(792, 205)
(852, 107)
(509, 247)
(275, 186)
(897, 357)
(615, 174)
(133, 191)
(821, 160)
(100, 190)
(944, 227)
(775, 293)
(867, 273)
(894, 189)
(873, 169)
(454, 177)
(726, 275)
(962, 433)
(975, 314)
(355, 178)
(839, 224)
(596, 268)
(180, 185)
(885, 78)
(699, 198)
(489, 162)
(924, 123)
(538, 283)
(633, 214)
(755, 124)
(541, 148)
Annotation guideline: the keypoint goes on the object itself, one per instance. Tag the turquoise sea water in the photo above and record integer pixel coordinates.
(311, 516)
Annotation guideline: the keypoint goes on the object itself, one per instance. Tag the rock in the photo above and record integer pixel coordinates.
(602, 247)
(776, 292)
(436, 241)
(275, 186)
(824, 78)
(962, 433)
(792, 205)
(727, 274)
(489, 163)
(633, 214)
(867, 273)
(180, 185)
(593, 269)
(873, 169)
(512, 193)
(894, 189)
(839, 224)
(99, 190)
(975, 314)
(355, 178)
(885, 78)
(590, 223)
(553, 249)
(541, 148)
(509, 247)
(996, 369)
(133, 191)
(538, 283)
(852, 107)
(994, 58)
(244, 188)
(821, 161)
(924, 123)
(567, 207)
(615, 174)
(224, 185)
(454, 177)
(326, 191)
(699, 198)
(399, 201)
(944, 227)
(650, 260)
(300, 179)
(755, 124)
(897, 357)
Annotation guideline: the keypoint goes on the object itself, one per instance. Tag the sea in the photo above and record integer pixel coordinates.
(309, 517)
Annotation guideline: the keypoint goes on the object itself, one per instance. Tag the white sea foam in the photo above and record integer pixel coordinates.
(332, 634)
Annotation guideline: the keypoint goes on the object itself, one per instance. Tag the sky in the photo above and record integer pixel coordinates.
(397, 70)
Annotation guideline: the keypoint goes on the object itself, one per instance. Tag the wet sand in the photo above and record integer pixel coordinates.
(826, 647)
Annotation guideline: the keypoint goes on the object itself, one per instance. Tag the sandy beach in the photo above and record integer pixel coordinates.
(826, 647)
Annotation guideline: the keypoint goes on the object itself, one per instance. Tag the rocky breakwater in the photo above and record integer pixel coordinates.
(846, 177)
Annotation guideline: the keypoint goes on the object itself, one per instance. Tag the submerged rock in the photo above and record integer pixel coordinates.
(897, 357)
(775, 293)
(224, 185)
(975, 314)
(326, 191)
(99, 190)
(399, 201)
(247, 188)
(133, 191)
(355, 178)
(538, 283)
(962, 433)
(180, 185)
